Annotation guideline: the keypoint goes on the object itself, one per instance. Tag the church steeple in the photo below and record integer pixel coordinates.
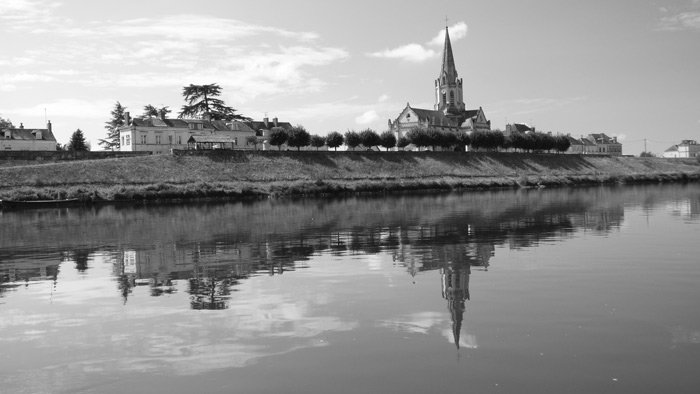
(448, 61)
(448, 87)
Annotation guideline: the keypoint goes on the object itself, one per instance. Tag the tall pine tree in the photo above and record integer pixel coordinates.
(112, 141)
(77, 141)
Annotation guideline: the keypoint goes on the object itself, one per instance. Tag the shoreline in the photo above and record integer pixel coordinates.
(236, 175)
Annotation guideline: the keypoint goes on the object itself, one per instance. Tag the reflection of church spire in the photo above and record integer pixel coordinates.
(455, 289)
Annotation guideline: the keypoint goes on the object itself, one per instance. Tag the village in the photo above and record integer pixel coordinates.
(206, 123)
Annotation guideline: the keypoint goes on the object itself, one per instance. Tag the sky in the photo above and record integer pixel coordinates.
(627, 68)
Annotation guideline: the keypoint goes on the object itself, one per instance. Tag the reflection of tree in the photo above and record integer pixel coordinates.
(209, 292)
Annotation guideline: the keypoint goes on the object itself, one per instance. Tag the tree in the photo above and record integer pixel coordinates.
(463, 139)
(252, 140)
(352, 139)
(418, 137)
(387, 140)
(334, 139)
(77, 142)
(202, 101)
(402, 142)
(369, 138)
(149, 111)
(562, 143)
(647, 154)
(6, 124)
(278, 136)
(317, 141)
(112, 141)
(298, 137)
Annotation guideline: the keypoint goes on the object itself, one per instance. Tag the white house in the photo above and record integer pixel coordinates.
(27, 139)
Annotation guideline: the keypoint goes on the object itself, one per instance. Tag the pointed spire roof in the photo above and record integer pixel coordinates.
(448, 60)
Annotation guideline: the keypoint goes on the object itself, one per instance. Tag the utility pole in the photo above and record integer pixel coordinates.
(645, 145)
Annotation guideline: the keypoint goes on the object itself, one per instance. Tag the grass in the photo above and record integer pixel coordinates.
(245, 174)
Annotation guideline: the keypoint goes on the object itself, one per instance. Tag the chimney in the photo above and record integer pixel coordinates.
(48, 127)
(21, 125)
(274, 121)
(127, 118)
(266, 121)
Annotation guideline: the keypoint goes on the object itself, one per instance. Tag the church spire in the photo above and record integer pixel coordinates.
(448, 61)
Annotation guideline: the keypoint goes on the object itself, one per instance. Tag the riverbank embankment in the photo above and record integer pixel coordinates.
(233, 174)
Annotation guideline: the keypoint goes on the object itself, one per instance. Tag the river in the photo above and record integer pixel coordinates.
(582, 290)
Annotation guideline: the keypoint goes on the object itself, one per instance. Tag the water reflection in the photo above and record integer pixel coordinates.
(201, 287)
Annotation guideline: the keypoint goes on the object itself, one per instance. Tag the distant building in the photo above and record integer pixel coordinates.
(606, 145)
(518, 128)
(450, 111)
(162, 135)
(686, 149)
(27, 139)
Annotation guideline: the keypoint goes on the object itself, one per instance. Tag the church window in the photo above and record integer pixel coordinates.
(452, 96)
(444, 97)
(444, 80)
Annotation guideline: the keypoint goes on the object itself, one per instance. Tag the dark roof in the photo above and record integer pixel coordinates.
(157, 122)
(601, 138)
(522, 127)
(29, 134)
(211, 138)
(260, 125)
(674, 148)
(574, 141)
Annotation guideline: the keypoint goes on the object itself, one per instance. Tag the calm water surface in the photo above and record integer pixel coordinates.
(547, 291)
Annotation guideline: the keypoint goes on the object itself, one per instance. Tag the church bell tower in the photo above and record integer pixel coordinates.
(449, 98)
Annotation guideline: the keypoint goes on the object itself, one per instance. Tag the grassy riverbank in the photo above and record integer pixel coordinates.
(239, 174)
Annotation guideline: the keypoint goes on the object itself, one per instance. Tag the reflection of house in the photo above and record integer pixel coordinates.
(686, 149)
(27, 139)
(450, 111)
(161, 135)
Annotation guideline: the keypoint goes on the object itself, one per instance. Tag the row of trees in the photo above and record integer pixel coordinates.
(298, 137)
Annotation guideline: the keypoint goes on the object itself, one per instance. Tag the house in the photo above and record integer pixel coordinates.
(263, 128)
(28, 139)
(686, 149)
(518, 128)
(163, 135)
(576, 146)
(606, 145)
(450, 111)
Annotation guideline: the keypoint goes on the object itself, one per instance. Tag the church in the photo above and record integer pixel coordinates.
(449, 113)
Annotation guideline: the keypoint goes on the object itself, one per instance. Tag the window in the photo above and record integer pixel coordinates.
(170, 139)
(123, 141)
(444, 97)
(128, 140)
(179, 139)
(158, 139)
(143, 139)
(452, 96)
(235, 141)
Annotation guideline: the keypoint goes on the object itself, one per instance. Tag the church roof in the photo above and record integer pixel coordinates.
(448, 61)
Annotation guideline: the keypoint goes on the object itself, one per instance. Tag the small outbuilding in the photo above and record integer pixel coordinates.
(212, 141)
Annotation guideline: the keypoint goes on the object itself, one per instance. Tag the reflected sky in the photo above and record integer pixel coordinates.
(552, 278)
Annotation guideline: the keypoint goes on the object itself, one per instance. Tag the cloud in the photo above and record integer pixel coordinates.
(383, 98)
(367, 117)
(66, 108)
(411, 52)
(457, 32)
(689, 20)
(418, 53)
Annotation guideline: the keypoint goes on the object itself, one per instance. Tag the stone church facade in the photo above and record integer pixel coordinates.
(450, 111)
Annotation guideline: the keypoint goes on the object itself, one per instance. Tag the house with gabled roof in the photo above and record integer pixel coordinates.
(22, 138)
(163, 135)
(686, 149)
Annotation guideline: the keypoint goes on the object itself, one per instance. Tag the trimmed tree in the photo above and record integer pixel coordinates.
(252, 140)
(418, 137)
(77, 141)
(352, 139)
(402, 142)
(298, 137)
(317, 141)
(334, 139)
(369, 138)
(112, 142)
(278, 136)
(387, 140)
(463, 140)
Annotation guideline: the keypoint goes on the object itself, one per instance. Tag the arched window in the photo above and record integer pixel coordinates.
(443, 80)
(452, 96)
(444, 97)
